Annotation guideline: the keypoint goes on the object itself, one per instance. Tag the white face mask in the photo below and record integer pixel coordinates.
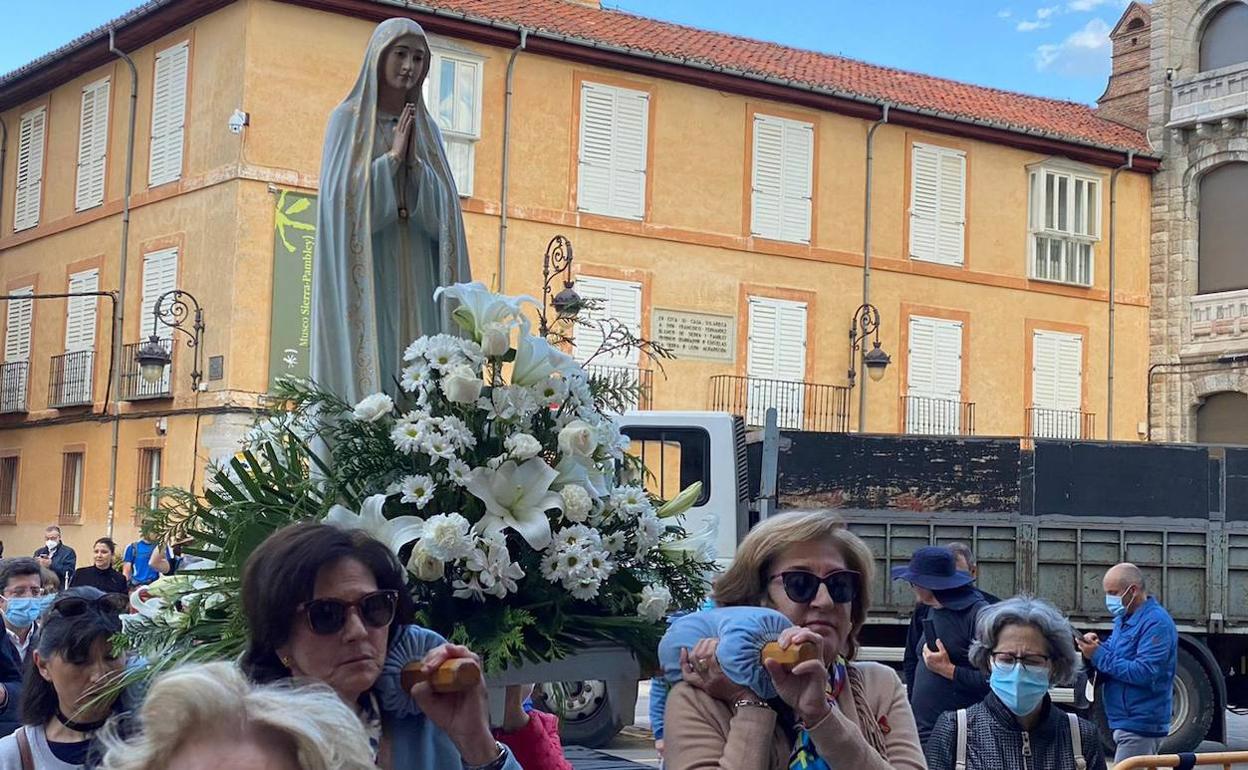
(51, 544)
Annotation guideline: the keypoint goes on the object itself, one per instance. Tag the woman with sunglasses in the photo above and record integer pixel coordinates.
(1025, 646)
(72, 660)
(831, 711)
(331, 605)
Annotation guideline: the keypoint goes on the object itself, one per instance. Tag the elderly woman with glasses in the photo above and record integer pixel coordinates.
(831, 711)
(1026, 646)
(331, 605)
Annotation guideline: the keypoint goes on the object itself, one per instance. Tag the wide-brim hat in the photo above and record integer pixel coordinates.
(933, 567)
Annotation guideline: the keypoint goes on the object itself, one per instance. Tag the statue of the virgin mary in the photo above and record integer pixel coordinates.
(389, 228)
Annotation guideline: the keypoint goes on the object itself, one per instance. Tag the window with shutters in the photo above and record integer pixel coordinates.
(611, 168)
(146, 498)
(168, 115)
(9, 468)
(71, 487)
(30, 149)
(1056, 385)
(160, 275)
(780, 198)
(73, 372)
(1065, 223)
(92, 145)
(453, 93)
(613, 302)
(15, 373)
(934, 376)
(776, 361)
(937, 204)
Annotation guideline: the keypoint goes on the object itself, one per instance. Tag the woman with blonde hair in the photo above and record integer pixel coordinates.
(831, 711)
(207, 717)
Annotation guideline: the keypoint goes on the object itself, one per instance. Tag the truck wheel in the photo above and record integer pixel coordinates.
(584, 709)
(1191, 714)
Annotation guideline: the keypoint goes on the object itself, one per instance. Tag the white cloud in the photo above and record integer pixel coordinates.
(1044, 13)
(1004, 13)
(1082, 6)
(1084, 53)
(1030, 26)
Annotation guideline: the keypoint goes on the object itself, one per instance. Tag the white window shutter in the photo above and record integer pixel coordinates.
(29, 169)
(767, 193)
(168, 115)
(80, 314)
(629, 166)
(776, 363)
(617, 300)
(594, 170)
(950, 238)
(611, 172)
(92, 145)
(799, 148)
(921, 358)
(160, 274)
(1070, 372)
(18, 326)
(947, 371)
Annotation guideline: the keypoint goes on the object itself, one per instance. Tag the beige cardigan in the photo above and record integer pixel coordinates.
(702, 733)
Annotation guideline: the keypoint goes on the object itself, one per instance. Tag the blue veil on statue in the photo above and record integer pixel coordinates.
(375, 271)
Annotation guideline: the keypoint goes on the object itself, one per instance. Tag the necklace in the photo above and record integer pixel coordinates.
(81, 727)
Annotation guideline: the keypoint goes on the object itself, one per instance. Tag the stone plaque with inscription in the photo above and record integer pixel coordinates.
(706, 336)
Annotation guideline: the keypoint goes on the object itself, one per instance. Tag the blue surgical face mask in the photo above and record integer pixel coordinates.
(1019, 688)
(24, 611)
(1115, 605)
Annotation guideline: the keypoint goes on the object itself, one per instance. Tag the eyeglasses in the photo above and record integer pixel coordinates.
(802, 587)
(1033, 663)
(328, 616)
(72, 606)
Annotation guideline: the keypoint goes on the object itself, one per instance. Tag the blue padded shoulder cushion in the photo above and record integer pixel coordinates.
(742, 633)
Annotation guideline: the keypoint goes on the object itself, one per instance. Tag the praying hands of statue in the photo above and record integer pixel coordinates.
(402, 147)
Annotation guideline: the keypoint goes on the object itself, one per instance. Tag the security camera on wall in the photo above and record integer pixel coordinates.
(238, 120)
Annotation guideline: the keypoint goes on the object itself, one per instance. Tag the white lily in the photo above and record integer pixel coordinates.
(517, 496)
(699, 545)
(395, 533)
(681, 502)
(536, 360)
(479, 308)
(570, 470)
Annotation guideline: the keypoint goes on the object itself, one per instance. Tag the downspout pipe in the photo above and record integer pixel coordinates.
(4, 148)
(1113, 229)
(506, 176)
(119, 307)
(866, 263)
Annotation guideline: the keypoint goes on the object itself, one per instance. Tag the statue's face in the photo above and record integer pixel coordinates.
(403, 64)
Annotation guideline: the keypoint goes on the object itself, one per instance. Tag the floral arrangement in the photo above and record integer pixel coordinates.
(496, 472)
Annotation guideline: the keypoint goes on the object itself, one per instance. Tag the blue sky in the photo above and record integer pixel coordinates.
(1056, 48)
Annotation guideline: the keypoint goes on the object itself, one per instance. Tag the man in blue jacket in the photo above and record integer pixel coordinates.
(1137, 664)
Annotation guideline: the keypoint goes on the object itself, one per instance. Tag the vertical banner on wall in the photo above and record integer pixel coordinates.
(290, 329)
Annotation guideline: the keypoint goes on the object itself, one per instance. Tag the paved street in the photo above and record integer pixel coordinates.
(635, 743)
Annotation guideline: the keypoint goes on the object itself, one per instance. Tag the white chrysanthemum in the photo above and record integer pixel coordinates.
(416, 377)
(579, 536)
(416, 350)
(553, 391)
(522, 446)
(438, 447)
(373, 408)
(585, 590)
(649, 531)
(457, 471)
(457, 432)
(614, 542)
(654, 603)
(576, 503)
(417, 489)
(406, 437)
(443, 352)
(447, 537)
(472, 352)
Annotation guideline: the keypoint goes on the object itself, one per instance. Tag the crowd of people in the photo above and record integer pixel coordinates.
(330, 626)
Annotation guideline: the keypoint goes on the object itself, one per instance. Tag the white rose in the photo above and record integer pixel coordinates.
(424, 565)
(495, 340)
(373, 408)
(576, 503)
(461, 385)
(522, 446)
(578, 439)
(654, 603)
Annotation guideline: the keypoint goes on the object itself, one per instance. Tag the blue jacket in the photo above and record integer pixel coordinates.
(1137, 665)
(415, 742)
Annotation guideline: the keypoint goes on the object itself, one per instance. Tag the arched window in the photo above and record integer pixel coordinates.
(1223, 249)
(1223, 419)
(1225, 39)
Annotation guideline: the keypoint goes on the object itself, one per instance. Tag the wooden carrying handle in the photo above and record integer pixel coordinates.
(797, 653)
(454, 675)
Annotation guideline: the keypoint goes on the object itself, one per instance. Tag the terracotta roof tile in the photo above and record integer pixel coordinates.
(856, 79)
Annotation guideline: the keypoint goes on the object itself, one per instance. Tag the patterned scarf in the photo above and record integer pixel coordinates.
(804, 756)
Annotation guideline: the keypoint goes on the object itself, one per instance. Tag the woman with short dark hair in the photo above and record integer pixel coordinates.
(100, 573)
(72, 660)
(331, 605)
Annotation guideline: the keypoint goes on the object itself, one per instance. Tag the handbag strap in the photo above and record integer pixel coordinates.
(23, 748)
(1076, 743)
(960, 763)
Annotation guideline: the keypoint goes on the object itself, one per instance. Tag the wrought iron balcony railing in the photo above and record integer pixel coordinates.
(133, 386)
(14, 382)
(799, 405)
(938, 416)
(70, 381)
(635, 376)
(1060, 423)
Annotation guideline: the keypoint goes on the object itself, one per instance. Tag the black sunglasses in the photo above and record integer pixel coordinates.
(328, 616)
(801, 586)
(72, 606)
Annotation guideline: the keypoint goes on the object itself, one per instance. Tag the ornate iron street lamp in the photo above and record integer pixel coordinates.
(556, 262)
(152, 356)
(865, 323)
